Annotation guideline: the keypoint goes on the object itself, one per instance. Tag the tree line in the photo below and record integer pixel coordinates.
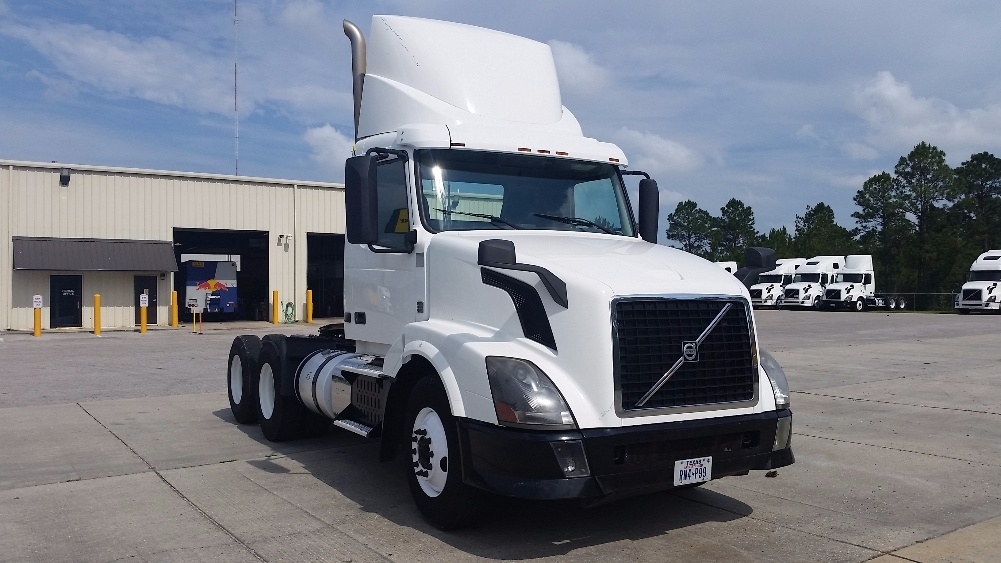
(924, 223)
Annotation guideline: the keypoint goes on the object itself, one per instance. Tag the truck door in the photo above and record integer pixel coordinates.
(380, 280)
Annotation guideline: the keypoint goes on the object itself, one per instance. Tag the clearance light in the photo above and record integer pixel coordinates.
(613, 159)
(458, 144)
(524, 149)
(562, 153)
(543, 151)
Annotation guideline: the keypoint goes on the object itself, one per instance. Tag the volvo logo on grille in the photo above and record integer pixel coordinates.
(689, 353)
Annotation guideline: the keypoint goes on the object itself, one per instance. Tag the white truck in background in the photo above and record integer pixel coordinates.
(771, 285)
(981, 292)
(854, 288)
(510, 327)
(809, 282)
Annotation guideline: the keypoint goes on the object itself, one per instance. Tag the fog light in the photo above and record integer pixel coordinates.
(570, 456)
(783, 430)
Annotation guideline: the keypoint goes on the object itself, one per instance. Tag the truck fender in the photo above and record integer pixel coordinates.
(420, 359)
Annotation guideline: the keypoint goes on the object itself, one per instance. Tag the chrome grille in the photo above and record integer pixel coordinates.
(650, 334)
(833, 294)
(792, 294)
(972, 295)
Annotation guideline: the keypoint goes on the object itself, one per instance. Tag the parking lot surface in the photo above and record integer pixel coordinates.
(122, 448)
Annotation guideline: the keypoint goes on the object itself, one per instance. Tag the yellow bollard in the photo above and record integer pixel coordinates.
(142, 320)
(274, 307)
(309, 305)
(38, 322)
(97, 314)
(173, 309)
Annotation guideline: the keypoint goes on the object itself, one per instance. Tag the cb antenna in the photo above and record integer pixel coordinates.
(236, 107)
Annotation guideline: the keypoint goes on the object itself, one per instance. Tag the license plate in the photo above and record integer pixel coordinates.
(697, 470)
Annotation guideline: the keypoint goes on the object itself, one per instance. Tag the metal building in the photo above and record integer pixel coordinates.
(70, 231)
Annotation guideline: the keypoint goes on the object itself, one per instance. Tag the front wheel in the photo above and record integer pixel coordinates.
(860, 305)
(816, 302)
(435, 472)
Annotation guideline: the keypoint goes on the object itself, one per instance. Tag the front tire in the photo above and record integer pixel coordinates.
(817, 302)
(241, 378)
(860, 305)
(435, 472)
(280, 417)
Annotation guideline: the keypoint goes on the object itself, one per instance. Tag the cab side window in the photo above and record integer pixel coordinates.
(394, 216)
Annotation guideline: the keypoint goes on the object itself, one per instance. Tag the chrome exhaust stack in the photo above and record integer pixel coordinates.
(358, 66)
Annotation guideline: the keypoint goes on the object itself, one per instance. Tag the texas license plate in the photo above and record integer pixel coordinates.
(697, 470)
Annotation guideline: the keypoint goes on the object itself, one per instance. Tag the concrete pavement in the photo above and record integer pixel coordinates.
(123, 448)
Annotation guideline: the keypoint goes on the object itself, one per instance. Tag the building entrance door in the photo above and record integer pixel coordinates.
(65, 301)
(147, 285)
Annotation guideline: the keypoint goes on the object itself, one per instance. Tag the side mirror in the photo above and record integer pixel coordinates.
(361, 199)
(649, 211)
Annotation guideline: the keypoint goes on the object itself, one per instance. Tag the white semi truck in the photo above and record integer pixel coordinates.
(854, 288)
(771, 285)
(810, 281)
(510, 327)
(981, 292)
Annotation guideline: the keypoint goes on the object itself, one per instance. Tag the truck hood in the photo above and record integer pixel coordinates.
(804, 285)
(767, 287)
(622, 265)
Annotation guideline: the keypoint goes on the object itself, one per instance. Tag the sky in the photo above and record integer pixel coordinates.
(781, 104)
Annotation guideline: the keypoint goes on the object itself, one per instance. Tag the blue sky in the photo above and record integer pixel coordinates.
(781, 104)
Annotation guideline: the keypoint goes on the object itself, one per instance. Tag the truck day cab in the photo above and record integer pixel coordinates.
(810, 281)
(771, 285)
(982, 290)
(854, 287)
(506, 330)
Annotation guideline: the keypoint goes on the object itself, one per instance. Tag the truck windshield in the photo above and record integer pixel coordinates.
(985, 275)
(770, 278)
(848, 278)
(810, 278)
(464, 190)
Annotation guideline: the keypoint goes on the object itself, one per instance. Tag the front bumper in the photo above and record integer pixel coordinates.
(978, 305)
(628, 460)
(837, 304)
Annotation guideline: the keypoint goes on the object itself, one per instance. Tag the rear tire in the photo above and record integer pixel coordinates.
(891, 303)
(280, 417)
(435, 472)
(901, 303)
(241, 378)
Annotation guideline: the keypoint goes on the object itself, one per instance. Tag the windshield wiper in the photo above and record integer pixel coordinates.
(492, 218)
(579, 221)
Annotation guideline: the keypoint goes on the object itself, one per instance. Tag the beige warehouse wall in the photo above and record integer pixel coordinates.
(148, 205)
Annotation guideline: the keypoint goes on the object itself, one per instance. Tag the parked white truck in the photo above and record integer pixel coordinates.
(981, 292)
(854, 287)
(771, 285)
(810, 281)
(506, 329)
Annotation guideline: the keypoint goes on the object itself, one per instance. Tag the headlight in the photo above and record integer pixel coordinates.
(780, 385)
(524, 396)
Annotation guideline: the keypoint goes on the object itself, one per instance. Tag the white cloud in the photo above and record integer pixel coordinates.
(807, 133)
(576, 67)
(153, 69)
(860, 151)
(898, 119)
(657, 155)
(329, 147)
